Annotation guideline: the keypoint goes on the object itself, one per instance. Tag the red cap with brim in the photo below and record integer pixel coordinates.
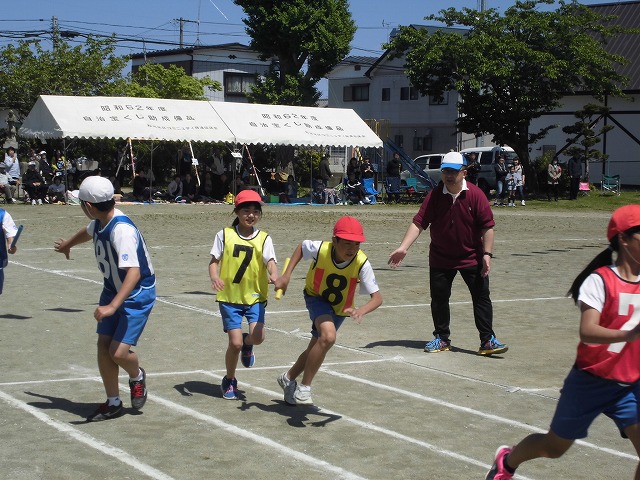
(246, 196)
(348, 228)
(623, 219)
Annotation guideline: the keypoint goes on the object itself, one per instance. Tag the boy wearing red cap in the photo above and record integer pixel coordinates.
(243, 263)
(606, 375)
(330, 287)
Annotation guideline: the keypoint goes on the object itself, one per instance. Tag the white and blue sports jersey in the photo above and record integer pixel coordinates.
(4, 255)
(119, 245)
(9, 229)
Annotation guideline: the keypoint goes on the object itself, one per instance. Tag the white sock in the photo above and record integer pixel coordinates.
(113, 401)
(139, 377)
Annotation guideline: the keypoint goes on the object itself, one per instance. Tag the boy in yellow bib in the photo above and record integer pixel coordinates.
(336, 269)
(243, 263)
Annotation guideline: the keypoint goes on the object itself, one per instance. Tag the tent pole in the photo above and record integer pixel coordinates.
(193, 157)
(255, 172)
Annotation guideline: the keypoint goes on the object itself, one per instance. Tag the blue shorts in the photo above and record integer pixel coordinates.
(232, 314)
(317, 307)
(584, 396)
(127, 324)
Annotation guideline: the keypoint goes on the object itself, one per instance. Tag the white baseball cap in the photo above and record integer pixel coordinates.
(454, 160)
(95, 189)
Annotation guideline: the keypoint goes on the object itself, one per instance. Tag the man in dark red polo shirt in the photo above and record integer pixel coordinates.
(461, 231)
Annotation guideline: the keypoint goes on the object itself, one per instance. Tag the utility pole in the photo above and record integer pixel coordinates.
(182, 22)
(54, 31)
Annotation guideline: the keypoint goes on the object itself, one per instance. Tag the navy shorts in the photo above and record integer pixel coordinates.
(317, 307)
(584, 396)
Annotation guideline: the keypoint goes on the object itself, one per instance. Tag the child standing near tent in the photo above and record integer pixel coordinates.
(9, 231)
(335, 271)
(128, 294)
(606, 375)
(243, 263)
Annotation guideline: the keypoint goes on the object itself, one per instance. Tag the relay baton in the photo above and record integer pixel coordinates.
(279, 291)
(17, 236)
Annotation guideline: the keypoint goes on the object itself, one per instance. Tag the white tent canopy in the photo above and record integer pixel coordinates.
(190, 120)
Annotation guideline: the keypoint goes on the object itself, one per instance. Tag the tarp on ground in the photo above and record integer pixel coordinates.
(55, 116)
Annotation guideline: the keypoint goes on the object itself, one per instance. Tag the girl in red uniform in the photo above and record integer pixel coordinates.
(606, 375)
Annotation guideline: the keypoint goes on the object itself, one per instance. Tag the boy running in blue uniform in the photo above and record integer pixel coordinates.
(9, 231)
(128, 294)
(336, 269)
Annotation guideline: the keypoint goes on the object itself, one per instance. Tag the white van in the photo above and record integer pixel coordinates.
(430, 164)
(487, 158)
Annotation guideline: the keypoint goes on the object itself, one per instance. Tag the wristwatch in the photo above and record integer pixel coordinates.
(488, 253)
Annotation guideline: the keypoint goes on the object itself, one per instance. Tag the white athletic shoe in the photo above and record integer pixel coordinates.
(522, 203)
(39, 202)
(289, 389)
(303, 397)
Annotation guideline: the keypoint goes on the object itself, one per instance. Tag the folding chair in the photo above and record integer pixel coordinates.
(370, 190)
(583, 188)
(414, 191)
(393, 188)
(610, 184)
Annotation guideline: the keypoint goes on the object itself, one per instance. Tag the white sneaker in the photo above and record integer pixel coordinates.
(360, 202)
(303, 397)
(39, 202)
(289, 388)
(33, 202)
(522, 203)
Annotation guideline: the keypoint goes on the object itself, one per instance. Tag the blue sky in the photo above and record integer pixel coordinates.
(220, 21)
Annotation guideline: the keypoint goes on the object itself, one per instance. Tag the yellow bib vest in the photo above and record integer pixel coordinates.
(242, 269)
(337, 286)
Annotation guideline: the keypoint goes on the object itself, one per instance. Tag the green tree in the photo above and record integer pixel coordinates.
(153, 80)
(511, 69)
(28, 70)
(585, 138)
(306, 38)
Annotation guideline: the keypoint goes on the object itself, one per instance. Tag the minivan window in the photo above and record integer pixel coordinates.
(435, 162)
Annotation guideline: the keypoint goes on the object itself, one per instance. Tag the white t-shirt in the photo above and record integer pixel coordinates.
(124, 239)
(9, 226)
(592, 290)
(368, 283)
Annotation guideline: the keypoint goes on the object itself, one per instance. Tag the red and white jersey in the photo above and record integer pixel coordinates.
(620, 310)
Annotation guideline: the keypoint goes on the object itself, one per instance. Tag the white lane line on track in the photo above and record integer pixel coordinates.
(88, 440)
(468, 410)
(259, 439)
(382, 430)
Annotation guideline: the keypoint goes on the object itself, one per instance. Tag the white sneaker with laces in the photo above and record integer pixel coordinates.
(289, 388)
(302, 396)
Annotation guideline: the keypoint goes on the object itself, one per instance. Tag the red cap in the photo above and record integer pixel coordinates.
(348, 228)
(248, 196)
(623, 219)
